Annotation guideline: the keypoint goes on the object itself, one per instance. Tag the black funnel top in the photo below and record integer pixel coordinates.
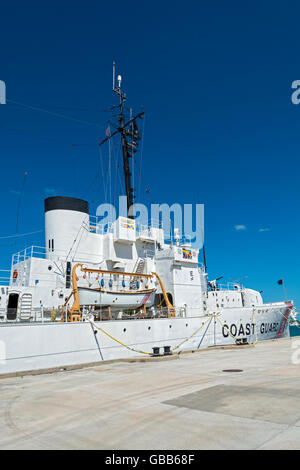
(67, 204)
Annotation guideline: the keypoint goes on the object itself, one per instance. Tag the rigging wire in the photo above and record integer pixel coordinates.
(132, 152)
(21, 234)
(109, 167)
(142, 180)
(20, 201)
(63, 116)
(118, 173)
(102, 170)
(142, 148)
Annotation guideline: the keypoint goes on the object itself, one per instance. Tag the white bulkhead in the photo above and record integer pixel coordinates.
(232, 296)
(182, 277)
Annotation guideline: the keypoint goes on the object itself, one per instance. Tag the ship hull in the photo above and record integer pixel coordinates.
(33, 346)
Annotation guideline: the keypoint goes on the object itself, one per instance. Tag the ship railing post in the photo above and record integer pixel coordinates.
(42, 314)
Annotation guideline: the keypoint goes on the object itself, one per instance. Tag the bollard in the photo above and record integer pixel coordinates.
(155, 351)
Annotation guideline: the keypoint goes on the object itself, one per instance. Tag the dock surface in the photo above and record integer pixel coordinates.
(188, 402)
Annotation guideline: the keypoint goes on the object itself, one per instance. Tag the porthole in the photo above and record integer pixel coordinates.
(170, 326)
(124, 330)
(49, 267)
(186, 324)
(149, 328)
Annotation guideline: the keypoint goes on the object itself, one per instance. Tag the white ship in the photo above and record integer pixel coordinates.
(102, 292)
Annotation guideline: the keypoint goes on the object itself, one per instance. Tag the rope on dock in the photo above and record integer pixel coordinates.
(115, 339)
(89, 319)
(210, 316)
(198, 329)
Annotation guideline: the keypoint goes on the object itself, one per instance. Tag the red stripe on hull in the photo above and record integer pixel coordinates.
(284, 321)
(146, 298)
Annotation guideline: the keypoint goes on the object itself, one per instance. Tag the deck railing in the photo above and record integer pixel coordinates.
(228, 286)
(29, 252)
(43, 315)
(96, 226)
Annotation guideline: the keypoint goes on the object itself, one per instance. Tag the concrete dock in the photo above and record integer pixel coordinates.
(186, 402)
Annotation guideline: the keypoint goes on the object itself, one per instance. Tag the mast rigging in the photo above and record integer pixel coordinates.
(130, 136)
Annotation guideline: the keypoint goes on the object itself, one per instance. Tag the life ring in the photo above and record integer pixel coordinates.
(15, 274)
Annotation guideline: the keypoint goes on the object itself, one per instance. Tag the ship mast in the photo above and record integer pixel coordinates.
(129, 139)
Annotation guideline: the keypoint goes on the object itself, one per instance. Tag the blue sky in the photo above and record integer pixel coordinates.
(220, 128)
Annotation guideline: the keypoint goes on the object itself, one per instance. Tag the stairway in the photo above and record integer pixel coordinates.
(140, 266)
(139, 269)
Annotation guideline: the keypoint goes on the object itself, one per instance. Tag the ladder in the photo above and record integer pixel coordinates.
(25, 306)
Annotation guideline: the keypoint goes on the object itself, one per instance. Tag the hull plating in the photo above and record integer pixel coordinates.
(37, 346)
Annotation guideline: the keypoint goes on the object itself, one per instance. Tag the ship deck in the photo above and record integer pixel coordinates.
(177, 402)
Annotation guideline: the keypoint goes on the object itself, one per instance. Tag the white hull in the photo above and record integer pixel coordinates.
(115, 300)
(25, 347)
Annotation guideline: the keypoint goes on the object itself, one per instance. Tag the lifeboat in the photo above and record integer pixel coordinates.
(133, 296)
(114, 299)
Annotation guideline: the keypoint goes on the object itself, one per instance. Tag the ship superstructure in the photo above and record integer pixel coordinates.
(121, 254)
